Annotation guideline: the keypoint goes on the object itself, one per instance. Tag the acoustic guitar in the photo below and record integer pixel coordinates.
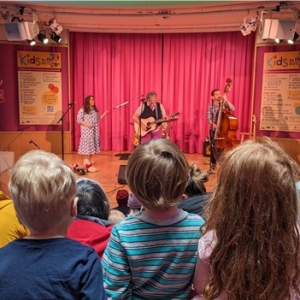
(151, 124)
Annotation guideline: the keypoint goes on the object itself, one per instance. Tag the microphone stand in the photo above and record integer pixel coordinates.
(70, 105)
(120, 121)
(120, 125)
(140, 122)
(32, 142)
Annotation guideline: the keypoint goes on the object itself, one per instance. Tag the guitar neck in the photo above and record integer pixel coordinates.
(159, 120)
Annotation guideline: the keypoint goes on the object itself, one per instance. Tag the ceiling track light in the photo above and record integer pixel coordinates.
(292, 41)
(42, 38)
(55, 37)
(31, 42)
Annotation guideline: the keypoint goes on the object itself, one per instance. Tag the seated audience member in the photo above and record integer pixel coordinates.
(250, 249)
(152, 254)
(45, 264)
(91, 226)
(133, 204)
(115, 216)
(195, 196)
(10, 226)
(122, 200)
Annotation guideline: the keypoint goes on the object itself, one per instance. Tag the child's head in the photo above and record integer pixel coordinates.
(43, 190)
(122, 197)
(133, 202)
(92, 200)
(115, 216)
(254, 212)
(256, 180)
(196, 182)
(157, 174)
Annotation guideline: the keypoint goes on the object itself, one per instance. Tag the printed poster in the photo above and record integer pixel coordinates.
(280, 105)
(39, 82)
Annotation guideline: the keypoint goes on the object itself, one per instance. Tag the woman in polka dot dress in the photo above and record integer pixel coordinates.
(88, 118)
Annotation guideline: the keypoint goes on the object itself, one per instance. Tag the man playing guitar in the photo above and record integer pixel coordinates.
(149, 109)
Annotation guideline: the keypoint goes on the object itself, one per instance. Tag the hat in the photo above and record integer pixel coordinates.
(133, 202)
(122, 197)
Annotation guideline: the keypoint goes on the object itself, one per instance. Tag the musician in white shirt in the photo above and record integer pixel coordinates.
(145, 119)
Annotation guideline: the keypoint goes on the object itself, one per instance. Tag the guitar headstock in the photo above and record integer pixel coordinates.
(175, 116)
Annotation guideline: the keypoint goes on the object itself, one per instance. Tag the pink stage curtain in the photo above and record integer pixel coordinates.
(181, 68)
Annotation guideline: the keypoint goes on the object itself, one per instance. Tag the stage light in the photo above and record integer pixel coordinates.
(248, 26)
(57, 28)
(42, 38)
(31, 42)
(292, 41)
(55, 37)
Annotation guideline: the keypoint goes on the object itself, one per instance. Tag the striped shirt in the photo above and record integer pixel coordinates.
(150, 258)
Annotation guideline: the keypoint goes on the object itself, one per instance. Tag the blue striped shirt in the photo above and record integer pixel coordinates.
(150, 258)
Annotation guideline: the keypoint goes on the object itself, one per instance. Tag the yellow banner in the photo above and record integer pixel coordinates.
(41, 60)
(282, 60)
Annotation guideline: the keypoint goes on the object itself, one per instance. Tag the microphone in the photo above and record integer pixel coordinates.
(72, 103)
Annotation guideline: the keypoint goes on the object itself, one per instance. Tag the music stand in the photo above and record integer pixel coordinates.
(70, 105)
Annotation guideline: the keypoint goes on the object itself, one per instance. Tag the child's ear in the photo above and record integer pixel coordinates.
(74, 207)
(184, 196)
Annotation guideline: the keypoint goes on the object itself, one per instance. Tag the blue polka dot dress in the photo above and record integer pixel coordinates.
(89, 139)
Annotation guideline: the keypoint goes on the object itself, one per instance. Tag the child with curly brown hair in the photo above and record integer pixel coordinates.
(250, 248)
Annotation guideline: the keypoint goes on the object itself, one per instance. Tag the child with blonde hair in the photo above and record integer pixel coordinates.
(152, 253)
(45, 264)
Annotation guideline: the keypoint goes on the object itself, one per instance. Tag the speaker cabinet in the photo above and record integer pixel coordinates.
(280, 29)
(21, 31)
(121, 175)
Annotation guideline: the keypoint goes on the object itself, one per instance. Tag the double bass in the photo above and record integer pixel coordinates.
(227, 126)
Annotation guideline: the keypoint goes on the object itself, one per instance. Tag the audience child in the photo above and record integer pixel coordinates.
(122, 200)
(91, 226)
(195, 197)
(115, 216)
(152, 254)
(250, 249)
(133, 204)
(45, 264)
(10, 226)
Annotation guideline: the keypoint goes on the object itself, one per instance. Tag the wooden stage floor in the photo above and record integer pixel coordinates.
(108, 164)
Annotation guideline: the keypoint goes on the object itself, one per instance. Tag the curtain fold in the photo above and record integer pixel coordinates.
(181, 68)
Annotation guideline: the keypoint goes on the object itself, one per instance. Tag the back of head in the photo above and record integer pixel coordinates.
(42, 188)
(92, 200)
(157, 174)
(254, 211)
(133, 202)
(196, 181)
(122, 197)
(115, 216)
